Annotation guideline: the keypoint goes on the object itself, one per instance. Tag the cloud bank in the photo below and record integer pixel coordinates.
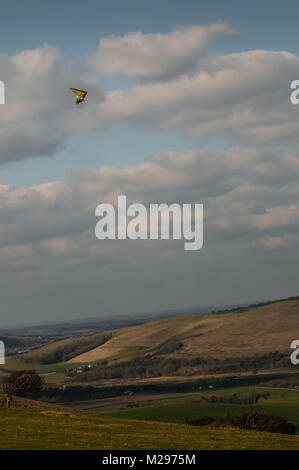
(51, 261)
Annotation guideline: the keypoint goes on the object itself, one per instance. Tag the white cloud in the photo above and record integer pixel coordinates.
(39, 105)
(16, 251)
(60, 246)
(278, 242)
(276, 217)
(155, 57)
(243, 96)
(238, 187)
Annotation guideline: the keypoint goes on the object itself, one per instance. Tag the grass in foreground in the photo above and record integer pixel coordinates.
(42, 426)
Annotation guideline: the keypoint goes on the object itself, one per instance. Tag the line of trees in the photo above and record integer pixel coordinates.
(250, 398)
(152, 366)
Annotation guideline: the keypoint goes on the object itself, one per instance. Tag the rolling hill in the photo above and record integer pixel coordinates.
(65, 349)
(256, 331)
(218, 336)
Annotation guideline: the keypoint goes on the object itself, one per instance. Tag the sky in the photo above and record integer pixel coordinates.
(188, 102)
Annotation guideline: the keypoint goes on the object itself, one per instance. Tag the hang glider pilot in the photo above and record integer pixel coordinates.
(80, 95)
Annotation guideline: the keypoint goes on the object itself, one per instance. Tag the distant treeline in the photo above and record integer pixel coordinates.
(255, 305)
(69, 393)
(151, 366)
(250, 421)
(284, 382)
(250, 398)
(13, 341)
(65, 352)
(56, 394)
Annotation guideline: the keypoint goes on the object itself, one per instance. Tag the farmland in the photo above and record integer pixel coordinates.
(283, 403)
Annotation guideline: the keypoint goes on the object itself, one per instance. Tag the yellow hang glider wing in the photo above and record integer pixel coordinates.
(79, 93)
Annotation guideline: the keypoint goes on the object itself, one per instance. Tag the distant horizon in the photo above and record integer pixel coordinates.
(136, 316)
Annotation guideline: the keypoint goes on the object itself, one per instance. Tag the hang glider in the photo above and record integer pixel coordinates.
(80, 94)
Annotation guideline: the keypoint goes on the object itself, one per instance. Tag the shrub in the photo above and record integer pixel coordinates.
(250, 421)
(204, 421)
(248, 399)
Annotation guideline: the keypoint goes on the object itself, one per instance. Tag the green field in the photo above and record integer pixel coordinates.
(42, 426)
(13, 363)
(129, 353)
(53, 378)
(178, 409)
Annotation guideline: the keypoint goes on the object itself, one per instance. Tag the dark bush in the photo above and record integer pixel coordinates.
(248, 399)
(204, 421)
(264, 422)
(250, 421)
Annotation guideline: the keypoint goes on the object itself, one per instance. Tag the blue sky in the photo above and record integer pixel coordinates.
(76, 26)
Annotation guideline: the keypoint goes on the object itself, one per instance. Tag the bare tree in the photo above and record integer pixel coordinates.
(23, 381)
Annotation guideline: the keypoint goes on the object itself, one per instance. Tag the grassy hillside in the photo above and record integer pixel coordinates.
(30, 425)
(64, 350)
(256, 331)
